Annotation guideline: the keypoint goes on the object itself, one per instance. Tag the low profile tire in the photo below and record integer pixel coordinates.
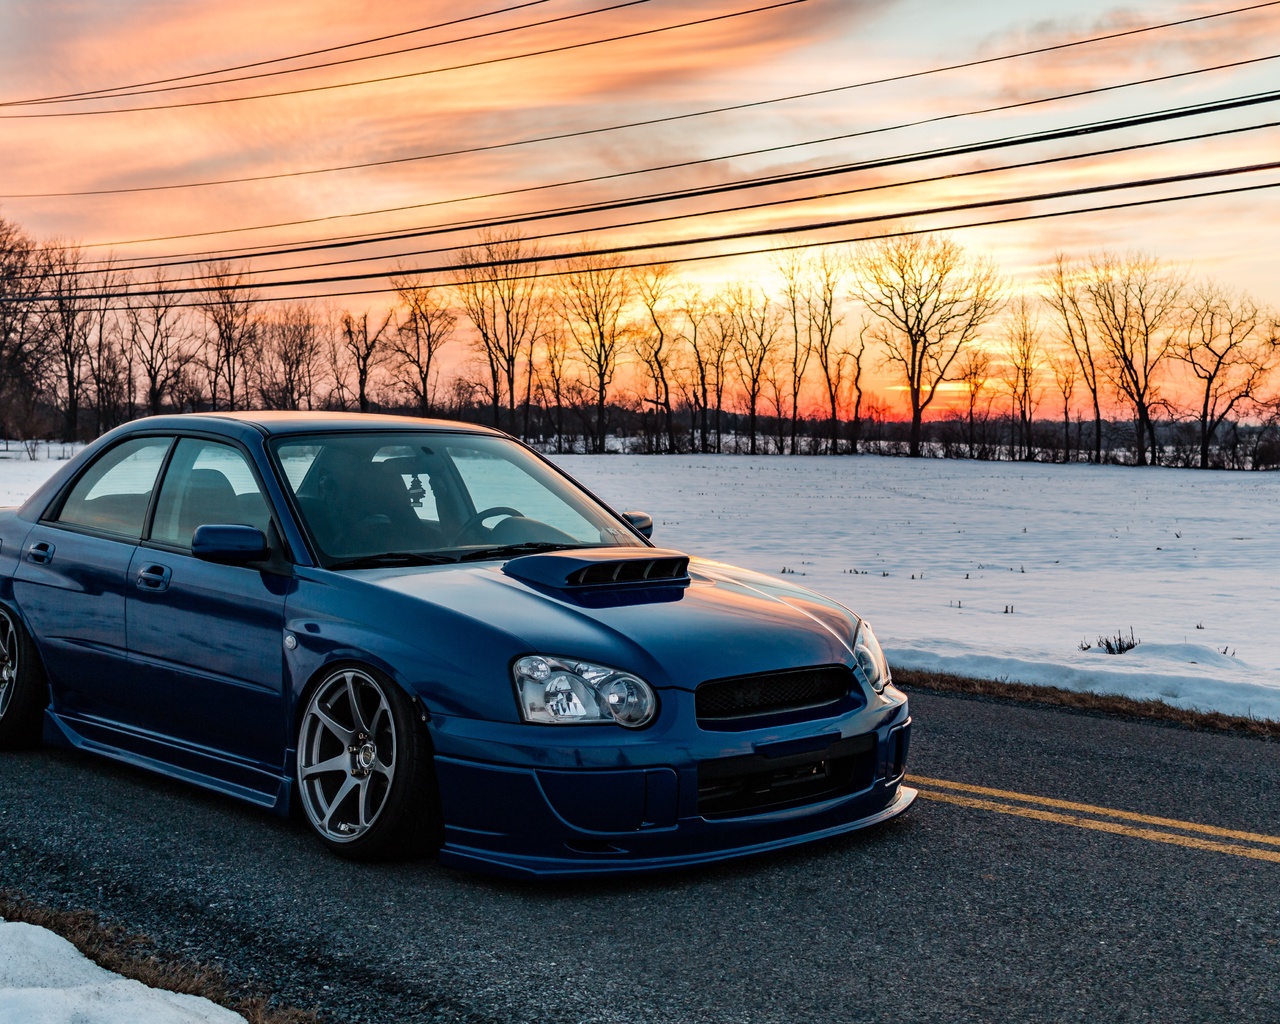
(23, 691)
(365, 777)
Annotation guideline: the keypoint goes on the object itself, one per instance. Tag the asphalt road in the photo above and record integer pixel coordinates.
(970, 907)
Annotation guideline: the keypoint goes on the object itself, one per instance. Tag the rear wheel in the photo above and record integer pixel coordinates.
(365, 773)
(23, 693)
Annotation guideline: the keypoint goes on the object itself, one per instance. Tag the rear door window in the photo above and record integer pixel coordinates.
(113, 495)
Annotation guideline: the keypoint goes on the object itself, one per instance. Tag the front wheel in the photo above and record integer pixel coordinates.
(364, 769)
(23, 692)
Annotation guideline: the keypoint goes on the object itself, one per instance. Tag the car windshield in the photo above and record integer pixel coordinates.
(419, 498)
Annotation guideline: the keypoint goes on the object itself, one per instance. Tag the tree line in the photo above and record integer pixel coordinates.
(1106, 358)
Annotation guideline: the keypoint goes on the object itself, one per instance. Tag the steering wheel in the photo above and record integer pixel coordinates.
(481, 516)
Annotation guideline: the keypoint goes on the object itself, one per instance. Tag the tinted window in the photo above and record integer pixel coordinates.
(206, 482)
(447, 496)
(497, 476)
(114, 493)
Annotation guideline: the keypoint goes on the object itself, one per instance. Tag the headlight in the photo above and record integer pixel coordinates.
(871, 667)
(564, 691)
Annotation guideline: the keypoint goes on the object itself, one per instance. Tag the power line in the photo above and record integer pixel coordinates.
(565, 48)
(791, 200)
(559, 19)
(1048, 135)
(790, 247)
(105, 91)
(1074, 131)
(684, 243)
(1022, 104)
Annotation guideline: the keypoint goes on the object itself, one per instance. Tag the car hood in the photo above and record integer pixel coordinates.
(722, 622)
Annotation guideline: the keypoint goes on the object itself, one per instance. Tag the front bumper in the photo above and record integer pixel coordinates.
(663, 803)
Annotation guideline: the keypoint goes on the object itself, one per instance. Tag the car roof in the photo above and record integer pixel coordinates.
(273, 423)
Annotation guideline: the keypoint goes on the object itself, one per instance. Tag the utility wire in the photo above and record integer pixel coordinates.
(565, 48)
(1049, 135)
(559, 19)
(787, 201)
(702, 258)
(684, 243)
(764, 150)
(106, 90)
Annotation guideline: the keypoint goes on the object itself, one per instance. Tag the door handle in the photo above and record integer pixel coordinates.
(41, 554)
(154, 578)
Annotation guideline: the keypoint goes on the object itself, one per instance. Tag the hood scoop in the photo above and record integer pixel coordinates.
(601, 568)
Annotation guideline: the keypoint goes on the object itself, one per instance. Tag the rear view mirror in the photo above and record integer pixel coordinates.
(642, 521)
(231, 545)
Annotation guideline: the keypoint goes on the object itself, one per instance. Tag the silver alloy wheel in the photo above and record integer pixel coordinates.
(346, 755)
(8, 661)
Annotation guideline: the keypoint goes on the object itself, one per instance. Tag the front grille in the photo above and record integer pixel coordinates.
(723, 700)
(736, 786)
(638, 570)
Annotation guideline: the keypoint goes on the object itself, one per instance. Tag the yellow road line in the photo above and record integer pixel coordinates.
(1193, 842)
(1067, 805)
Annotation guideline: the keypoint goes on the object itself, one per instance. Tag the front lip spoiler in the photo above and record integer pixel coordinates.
(470, 858)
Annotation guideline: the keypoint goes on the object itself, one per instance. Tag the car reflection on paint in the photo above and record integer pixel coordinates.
(428, 637)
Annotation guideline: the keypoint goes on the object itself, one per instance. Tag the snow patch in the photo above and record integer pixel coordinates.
(46, 980)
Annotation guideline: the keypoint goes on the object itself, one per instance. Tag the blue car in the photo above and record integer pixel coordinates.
(426, 636)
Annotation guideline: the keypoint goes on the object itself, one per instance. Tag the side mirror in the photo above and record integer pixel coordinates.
(231, 545)
(642, 521)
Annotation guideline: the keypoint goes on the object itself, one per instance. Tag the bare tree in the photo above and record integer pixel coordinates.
(554, 382)
(653, 343)
(594, 293)
(1066, 374)
(774, 390)
(758, 320)
(158, 338)
(68, 322)
(288, 369)
(930, 302)
(105, 355)
(697, 312)
(1133, 304)
(974, 372)
(826, 279)
(426, 325)
(1025, 358)
(364, 349)
(505, 306)
(809, 287)
(722, 341)
(852, 355)
(1064, 292)
(1226, 345)
(227, 304)
(23, 353)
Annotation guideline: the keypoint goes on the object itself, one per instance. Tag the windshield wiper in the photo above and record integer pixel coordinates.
(392, 558)
(509, 550)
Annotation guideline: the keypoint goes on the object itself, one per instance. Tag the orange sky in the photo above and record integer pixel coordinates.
(56, 46)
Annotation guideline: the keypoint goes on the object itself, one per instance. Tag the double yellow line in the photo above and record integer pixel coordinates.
(1231, 841)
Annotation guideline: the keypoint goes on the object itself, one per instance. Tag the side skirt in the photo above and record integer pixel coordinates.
(144, 750)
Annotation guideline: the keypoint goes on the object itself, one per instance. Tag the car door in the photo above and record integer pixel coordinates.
(72, 578)
(210, 636)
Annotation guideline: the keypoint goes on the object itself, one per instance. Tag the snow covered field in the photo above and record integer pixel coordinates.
(933, 552)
